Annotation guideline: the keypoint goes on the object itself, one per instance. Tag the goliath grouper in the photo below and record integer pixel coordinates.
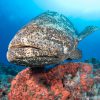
(48, 39)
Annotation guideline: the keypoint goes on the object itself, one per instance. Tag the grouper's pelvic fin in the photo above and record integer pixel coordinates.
(75, 54)
(88, 30)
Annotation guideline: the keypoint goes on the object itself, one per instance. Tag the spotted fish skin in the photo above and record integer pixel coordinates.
(35, 45)
(56, 21)
(47, 39)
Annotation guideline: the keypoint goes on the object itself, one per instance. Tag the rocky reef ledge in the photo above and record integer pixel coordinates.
(65, 82)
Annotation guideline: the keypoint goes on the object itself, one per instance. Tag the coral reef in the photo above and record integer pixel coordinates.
(7, 73)
(94, 62)
(97, 76)
(94, 93)
(64, 82)
(72, 76)
(5, 86)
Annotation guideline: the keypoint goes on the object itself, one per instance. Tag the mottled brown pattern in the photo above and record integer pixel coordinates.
(43, 41)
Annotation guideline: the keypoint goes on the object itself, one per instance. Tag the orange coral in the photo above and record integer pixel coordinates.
(86, 68)
(32, 85)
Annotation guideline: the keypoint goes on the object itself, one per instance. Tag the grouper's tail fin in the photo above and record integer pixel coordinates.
(88, 30)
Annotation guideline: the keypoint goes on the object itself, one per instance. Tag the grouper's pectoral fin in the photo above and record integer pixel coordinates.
(75, 54)
(88, 30)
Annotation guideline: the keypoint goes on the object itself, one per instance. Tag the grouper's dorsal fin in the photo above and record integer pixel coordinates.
(88, 30)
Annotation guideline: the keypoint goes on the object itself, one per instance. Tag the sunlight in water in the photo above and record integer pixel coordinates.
(73, 7)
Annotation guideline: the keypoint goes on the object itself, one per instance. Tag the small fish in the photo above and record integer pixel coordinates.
(48, 39)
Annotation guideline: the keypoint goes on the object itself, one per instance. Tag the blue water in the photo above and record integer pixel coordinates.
(16, 13)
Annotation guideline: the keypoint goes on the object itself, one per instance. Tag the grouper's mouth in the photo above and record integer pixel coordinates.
(29, 55)
(16, 52)
(24, 46)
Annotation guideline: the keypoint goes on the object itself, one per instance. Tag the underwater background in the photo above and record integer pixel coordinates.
(14, 14)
